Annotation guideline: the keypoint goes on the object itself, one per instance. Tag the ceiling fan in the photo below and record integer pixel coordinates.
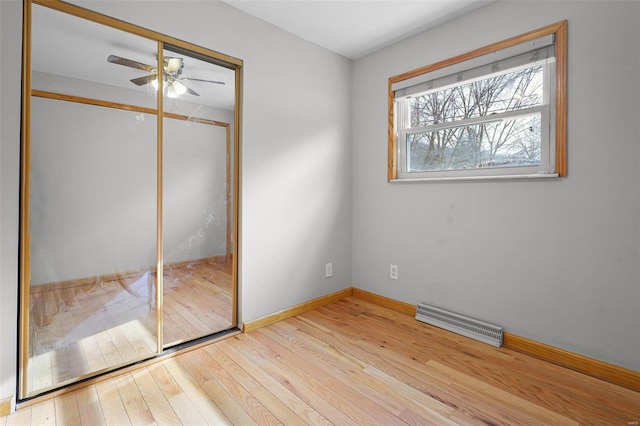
(171, 75)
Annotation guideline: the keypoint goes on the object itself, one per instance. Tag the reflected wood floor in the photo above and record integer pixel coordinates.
(198, 300)
(350, 362)
(79, 328)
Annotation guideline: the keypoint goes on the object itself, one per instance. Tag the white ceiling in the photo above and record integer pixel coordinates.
(71, 47)
(355, 28)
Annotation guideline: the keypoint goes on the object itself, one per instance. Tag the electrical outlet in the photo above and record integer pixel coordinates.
(328, 270)
(393, 272)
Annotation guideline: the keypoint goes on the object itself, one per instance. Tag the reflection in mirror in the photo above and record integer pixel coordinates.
(99, 171)
(197, 198)
(92, 205)
(71, 56)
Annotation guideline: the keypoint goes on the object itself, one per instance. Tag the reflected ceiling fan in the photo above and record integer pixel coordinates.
(171, 75)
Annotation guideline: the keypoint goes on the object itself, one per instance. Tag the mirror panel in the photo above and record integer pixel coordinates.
(92, 293)
(197, 198)
(92, 208)
(99, 171)
(72, 56)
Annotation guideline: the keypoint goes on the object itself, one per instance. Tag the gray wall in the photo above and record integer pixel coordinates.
(296, 178)
(552, 260)
(296, 181)
(93, 191)
(556, 261)
(195, 191)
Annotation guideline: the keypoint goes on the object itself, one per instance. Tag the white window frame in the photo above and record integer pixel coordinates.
(466, 68)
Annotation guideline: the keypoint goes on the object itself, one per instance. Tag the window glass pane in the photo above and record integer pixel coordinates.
(501, 143)
(510, 91)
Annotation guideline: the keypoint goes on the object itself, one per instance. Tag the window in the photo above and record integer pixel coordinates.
(496, 112)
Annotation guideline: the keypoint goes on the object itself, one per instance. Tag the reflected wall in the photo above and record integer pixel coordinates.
(198, 290)
(197, 240)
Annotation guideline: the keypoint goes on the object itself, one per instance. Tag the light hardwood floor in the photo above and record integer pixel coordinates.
(79, 327)
(350, 362)
(198, 300)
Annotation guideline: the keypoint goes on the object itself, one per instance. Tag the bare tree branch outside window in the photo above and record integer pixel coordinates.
(506, 142)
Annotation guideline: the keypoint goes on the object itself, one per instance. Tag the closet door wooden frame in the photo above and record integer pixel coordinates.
(233, 163)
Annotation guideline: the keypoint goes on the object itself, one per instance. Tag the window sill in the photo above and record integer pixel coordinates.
(478, 178)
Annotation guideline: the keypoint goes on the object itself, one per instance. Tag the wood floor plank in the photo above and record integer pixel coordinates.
(19, 418)
(249, 403)
(263, 357)
(430, 409)
(304, 410)
(158, 404)
(93, 354)
(409, 342)
(192, 318)
(207, 407)
(133, 401)
(125, 349)
(67, 412)
(372, 344)
(40, 371)
(140, 337)
(44, 414)
(107, 347)
(348, 363)
(229, 406)
(340, 394)
(181, 404)
(89, 407)
(83, 326)
(113, 409)
(298, 344)
(508, 401)
(282, 411)
(413, 375)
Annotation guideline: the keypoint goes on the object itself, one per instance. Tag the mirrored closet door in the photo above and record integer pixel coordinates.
(129, 190)
(197, 198)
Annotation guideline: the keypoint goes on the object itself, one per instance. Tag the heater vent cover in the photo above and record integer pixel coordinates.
(469, 327)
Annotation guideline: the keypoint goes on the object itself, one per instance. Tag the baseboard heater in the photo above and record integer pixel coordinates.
(460, 324)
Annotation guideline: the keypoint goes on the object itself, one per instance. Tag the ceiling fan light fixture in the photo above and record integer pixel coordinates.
(171, 73)
(180, 88)
(171, 91)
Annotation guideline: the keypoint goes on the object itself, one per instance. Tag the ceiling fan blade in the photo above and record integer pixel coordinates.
(204, 81)
(141, 81)
(190, 90)
(133, 64)
(173, 66)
